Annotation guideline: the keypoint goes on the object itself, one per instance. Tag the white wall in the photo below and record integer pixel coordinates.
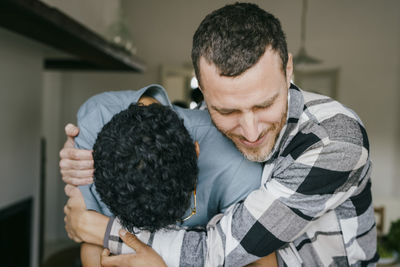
(20, 115)
(32, 106)
(362, 38)
(365, 43)
(59, 107)
(97, 15)
(52, 130)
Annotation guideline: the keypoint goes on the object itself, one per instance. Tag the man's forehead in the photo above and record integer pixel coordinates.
(257, 103)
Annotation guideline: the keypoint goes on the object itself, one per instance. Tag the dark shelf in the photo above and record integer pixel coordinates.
(36, 20)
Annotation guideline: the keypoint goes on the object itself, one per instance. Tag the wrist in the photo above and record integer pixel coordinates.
(93, 227)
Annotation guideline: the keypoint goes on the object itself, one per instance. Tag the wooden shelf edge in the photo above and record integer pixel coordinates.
(38, 21)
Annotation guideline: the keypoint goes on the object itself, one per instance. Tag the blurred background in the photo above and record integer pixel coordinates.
(357, 43)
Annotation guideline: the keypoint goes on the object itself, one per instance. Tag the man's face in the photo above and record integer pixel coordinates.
(251, 108)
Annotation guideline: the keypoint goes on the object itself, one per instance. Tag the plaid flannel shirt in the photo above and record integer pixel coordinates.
(314, 204)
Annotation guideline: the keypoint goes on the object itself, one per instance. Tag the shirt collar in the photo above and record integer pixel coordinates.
(294, 107)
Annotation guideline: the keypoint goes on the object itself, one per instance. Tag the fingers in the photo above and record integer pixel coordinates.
(77, 181)
(71, 204)
(71, 131)
(66, 212)
(87, 173)
(77, 177)
(70, 232)
(76, 165)
(68, 164)
(112, 261)
(71, 191)
(68, 205)
(72, 236)
(75, 154)
(77, 172)
(131, 240)
(67, 189)
(105, 252)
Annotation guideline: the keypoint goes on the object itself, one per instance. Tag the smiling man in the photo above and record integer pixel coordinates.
(315, 198)
(250, 109)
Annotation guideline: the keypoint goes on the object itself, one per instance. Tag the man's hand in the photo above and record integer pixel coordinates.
(83, 225)
(145, 255)
(76, 165)
(74, 210)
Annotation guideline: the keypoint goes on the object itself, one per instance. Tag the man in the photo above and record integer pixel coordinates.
(316, 179)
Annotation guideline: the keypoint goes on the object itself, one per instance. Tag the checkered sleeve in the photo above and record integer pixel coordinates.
(323, 165)
(317, 176)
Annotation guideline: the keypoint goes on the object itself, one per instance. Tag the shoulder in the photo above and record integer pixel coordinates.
(112, 102)
(327, 150)
(108, 101)
(98, 110)
(194, 117)
(197, 122)
(330, 120)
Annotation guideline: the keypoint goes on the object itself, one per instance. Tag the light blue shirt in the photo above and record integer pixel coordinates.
(225, 176)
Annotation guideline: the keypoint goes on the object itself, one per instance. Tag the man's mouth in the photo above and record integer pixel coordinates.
(254, 144)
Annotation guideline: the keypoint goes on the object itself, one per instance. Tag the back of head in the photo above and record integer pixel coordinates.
(145, 167)
(234, 38)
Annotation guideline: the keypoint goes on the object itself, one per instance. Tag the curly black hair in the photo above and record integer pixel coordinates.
(145, 167)
(235, 37)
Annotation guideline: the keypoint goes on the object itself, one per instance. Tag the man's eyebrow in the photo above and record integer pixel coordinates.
(268, 102)
(224, 110)
(264, 104)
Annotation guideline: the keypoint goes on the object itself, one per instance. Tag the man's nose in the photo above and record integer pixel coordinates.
(249, 124)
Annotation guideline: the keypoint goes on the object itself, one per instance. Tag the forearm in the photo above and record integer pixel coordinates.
(266, 221)
(90, 255)
(267, 261)
(167, 243)
(209, 247)
(92, 227)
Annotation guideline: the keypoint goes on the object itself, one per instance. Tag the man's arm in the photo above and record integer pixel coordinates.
(88, 226)
(267, 261)
(82, 224)
(236, 227)
(146, 256)
(311, 184)
(90, 255)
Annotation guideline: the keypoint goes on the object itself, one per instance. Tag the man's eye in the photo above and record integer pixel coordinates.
(226, 113)
(262, 107)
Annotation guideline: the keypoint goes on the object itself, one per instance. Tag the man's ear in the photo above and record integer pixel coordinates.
(197, 147)
(147, 100)
(289, 68)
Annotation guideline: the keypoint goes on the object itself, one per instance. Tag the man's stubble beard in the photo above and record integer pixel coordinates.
(258, 154)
